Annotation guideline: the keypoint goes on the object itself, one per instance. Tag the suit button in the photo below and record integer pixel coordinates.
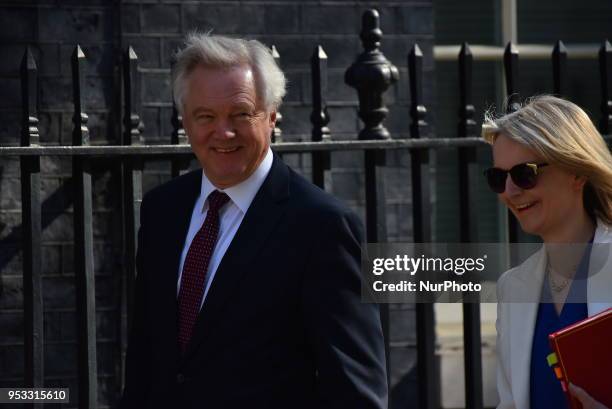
(180, 378)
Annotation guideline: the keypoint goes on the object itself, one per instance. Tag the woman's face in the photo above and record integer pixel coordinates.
(555, 199)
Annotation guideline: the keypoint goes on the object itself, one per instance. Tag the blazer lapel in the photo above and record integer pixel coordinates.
(599, 286)
(259, 222)
(528, 284)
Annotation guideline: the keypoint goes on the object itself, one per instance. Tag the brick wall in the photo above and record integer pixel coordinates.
(155, 29)
(53, 28)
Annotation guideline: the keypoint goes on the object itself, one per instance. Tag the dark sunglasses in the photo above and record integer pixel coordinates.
(524, 175)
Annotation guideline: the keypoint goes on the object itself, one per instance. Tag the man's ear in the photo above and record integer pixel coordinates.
(272, 119)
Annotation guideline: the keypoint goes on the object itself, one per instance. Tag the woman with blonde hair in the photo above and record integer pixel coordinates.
(553, 170)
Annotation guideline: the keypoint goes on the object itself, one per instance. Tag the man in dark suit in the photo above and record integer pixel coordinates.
(248, 285)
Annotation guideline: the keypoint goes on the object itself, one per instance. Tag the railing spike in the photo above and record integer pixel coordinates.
(418, 112)
(131, 53)
(29, 98)
(559, 58)
(605, 71)
(319, 116)
(511, 56)
(277, 133)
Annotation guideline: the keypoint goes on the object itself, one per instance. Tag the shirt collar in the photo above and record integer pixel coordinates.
(244, 192)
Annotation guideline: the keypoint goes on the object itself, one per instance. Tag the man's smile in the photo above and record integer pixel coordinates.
(226, 150)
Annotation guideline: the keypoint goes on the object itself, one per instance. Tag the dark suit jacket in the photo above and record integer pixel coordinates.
(282, 326)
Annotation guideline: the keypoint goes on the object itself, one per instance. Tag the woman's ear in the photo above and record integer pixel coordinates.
(579, 181)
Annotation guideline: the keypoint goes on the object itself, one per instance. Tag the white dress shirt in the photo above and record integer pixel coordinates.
(230, 216)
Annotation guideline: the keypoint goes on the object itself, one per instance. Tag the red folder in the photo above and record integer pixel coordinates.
(584, 357)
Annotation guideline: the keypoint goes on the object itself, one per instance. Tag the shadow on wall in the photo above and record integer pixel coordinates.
(55, 204)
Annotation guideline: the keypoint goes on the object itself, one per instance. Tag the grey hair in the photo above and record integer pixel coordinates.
(563, 135)
(219, 52)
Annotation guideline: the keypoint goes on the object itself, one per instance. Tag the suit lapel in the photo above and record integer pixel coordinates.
(174, 239)
(180, 225)
(261, 218)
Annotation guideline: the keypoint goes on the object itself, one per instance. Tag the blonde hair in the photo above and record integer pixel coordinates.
(563, 135)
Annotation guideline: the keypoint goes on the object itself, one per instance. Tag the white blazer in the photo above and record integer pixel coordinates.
(516, 321)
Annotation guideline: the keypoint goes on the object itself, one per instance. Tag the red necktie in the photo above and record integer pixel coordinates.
(195, 268)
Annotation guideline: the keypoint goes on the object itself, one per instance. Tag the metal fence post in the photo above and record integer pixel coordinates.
(132, 168)
(83, 244)
(31, 215)
(511, 57)
(371, 74)
(277, 133)
(472, 343)
(321, 160)
(131, 178)
(605, 70)
(178, 137)
(428, 382)
(559, 58)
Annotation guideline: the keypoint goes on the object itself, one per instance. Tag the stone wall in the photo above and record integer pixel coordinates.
(52, 29)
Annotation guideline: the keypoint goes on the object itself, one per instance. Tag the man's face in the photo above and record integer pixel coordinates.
(227, 126)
